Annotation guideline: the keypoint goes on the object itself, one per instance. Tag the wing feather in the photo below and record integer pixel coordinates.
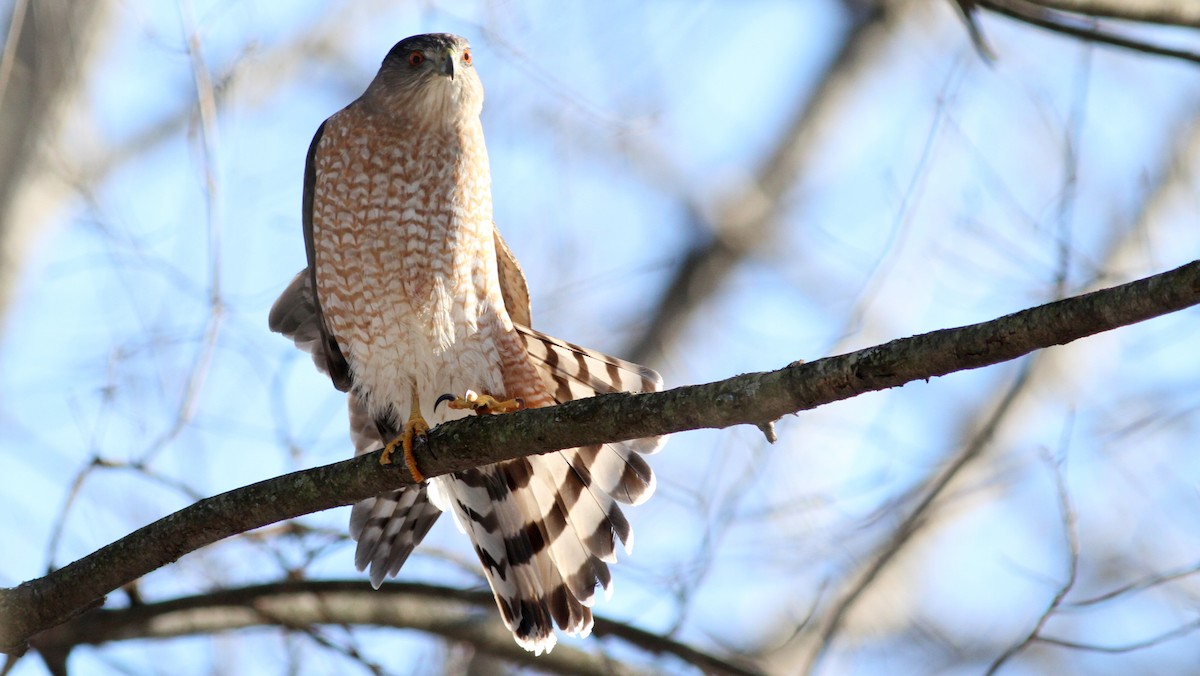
(513, 287)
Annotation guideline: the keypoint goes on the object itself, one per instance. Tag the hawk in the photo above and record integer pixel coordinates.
(410, 293)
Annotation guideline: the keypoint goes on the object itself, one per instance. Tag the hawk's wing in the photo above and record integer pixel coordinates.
(298, 308)
(512, 282)
(296, 316)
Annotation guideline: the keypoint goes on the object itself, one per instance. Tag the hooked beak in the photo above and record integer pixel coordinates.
(447, 65)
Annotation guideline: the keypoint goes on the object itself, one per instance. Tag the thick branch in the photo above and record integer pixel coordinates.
(755, 398)
(458, 615)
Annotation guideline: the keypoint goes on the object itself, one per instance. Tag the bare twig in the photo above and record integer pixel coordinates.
(1182, 630)
(1137, 586)
(1027, 11)
(1071, 536)
(1163, 12)
(752, 216)
(206, 104)
(914, 520)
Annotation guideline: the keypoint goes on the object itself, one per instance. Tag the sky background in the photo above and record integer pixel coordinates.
(935, 191)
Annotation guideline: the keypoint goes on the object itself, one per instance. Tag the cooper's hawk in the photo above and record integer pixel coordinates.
(416, 295)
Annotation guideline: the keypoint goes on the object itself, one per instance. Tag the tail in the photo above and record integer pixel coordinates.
(545, 527)
(387, 526)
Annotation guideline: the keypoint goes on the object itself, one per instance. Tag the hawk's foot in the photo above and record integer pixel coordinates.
(414, 428)
(482, 404)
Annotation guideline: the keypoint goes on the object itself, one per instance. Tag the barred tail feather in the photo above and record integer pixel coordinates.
(389, 526)
(545, 527)
(511, 544)
(573, 372)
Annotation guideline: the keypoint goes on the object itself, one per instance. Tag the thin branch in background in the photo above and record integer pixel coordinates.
(1164, 12)
(206, 103)
(1070, 179)
(56, 532)
(750, 219)
(878, 272)
(73, 494)
(1178, 632)
(966, 11)
(833, 618)
(1071, 537)
(1031, 13)
(1137, 586)
(316, 634)
(719, 498)
(9, 56)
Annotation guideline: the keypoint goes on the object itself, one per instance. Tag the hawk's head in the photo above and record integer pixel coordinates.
(430, 76)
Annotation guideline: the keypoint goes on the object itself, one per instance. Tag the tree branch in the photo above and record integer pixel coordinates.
(456, 614)
(756, 398)
(1033, 13)
(1165, 12)
(746, 221)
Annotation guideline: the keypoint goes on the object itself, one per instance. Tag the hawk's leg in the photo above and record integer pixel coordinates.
(413, 428)
(482, 404)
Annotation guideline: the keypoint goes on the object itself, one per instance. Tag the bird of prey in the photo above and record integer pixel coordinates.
(410, 293)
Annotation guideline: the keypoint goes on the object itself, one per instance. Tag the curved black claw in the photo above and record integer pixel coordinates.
(444, 397)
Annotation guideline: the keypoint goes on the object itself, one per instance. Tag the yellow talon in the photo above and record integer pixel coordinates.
(414, 428)
(482, 404)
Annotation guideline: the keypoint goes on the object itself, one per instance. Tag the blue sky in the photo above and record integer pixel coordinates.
(938, 192)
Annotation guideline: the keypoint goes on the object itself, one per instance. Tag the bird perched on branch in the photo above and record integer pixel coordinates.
(410, 298)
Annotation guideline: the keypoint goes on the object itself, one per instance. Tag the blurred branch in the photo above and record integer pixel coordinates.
(1071, 535)
(46, 46)
(756, 398)
(1149, 582)
(821, 634)
(918, 516)
(1163, 637)
(1164, 12)
(751, 217)
(1080, 23)
(457, 615)
(206, 107)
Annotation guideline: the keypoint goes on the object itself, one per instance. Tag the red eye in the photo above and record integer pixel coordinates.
(415, 59)
(467, 56)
